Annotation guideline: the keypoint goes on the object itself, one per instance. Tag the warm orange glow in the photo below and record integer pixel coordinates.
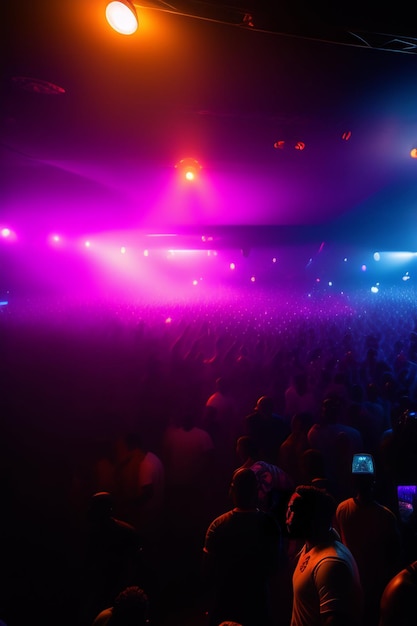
(189, 167)
(413, 153)
(122, 17)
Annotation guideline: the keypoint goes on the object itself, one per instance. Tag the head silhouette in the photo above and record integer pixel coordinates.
(244, 489)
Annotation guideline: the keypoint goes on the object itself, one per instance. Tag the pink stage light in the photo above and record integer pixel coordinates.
(8, 234)
(55, 239)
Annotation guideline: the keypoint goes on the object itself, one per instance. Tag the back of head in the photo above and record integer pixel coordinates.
(100, 506)
(130, 608)
(246, 448)
(313, 464)
(223, 385)
(265, 405)
(330, 410)
(317, 504)
(244, 489)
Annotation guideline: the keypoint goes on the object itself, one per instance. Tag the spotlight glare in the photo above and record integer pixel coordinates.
(121, 15)
(6, 232)
(123, 250)
(377, 256)
(232, 266)
(189, 168)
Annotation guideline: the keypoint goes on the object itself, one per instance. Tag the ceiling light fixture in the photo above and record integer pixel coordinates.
(189, 167)
(122, 16)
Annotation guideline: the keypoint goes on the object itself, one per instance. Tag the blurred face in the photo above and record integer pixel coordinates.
(295, 518)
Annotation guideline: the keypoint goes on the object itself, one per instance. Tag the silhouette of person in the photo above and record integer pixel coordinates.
(398, 602)
(130, 608)
(113, 557)
(267, 429)
(242, 550)
(371, 532)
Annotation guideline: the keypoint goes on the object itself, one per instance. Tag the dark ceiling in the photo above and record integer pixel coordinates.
(93, 122)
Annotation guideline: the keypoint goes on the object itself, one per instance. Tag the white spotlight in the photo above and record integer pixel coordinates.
(122, 16)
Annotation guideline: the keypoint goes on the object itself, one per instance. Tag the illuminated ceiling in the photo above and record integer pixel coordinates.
(93, 123)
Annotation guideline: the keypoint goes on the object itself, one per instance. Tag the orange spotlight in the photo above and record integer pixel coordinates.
(122, 16)
(413, 153)
(189, 168)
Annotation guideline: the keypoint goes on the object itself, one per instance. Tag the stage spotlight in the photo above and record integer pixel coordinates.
(8, 234)
(189, 168)
(122, 16)
(413, 153)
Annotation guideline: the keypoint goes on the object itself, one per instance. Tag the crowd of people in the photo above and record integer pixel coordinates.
(192, 463)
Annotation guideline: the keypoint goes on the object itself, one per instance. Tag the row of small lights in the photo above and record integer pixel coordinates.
(8, 234)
